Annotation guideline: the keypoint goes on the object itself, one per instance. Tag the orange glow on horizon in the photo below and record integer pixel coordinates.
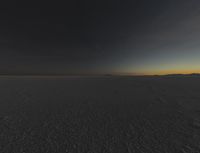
(163, 72)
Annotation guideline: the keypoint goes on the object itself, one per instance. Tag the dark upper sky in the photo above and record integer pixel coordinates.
(103, 36)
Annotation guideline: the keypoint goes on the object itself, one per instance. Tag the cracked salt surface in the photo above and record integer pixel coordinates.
(100, 114)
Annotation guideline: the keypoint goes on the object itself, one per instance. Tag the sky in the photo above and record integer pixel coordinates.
(100, 37)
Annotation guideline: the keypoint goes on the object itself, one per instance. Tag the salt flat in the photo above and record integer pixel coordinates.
(100, 114)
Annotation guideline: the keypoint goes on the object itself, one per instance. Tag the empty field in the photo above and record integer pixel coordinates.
(100, 115)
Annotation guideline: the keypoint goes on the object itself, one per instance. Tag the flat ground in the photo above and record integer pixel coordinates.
(100, 115)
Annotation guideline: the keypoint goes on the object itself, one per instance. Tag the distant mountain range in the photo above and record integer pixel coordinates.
(180, 75)
(106, 75)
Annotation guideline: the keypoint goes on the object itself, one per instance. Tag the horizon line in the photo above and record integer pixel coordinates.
(82, 75)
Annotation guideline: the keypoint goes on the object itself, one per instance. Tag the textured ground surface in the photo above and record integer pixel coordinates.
(100, 115)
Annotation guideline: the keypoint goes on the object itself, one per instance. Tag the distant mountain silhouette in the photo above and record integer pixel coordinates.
(181, 75)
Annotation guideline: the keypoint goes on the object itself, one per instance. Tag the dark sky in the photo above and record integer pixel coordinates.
(100, 36)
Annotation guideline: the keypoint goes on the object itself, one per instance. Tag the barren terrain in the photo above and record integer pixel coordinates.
(100, 114)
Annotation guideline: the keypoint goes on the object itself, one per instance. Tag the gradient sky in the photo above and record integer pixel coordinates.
(100, 37)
